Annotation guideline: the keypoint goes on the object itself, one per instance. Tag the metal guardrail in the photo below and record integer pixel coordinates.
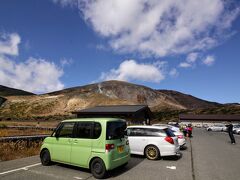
(28, 127)
(23, 138)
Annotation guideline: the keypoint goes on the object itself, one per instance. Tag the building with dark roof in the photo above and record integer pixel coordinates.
(208, 118)
(135, 114)
(211, 118)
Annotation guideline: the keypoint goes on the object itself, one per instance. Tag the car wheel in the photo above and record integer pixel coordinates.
(125, 164)
(152, 152)
(98, 168)
(209, 129)
(45, 158)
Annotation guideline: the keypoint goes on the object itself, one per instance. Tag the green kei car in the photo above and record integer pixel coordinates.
(95, 143)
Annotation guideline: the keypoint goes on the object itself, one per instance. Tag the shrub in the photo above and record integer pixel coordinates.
(18, 149)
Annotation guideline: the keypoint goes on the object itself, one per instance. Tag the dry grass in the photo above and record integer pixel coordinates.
(19, 149)
(18, 132)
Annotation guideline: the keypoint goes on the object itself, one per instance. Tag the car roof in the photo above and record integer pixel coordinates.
(166, 125)
(148, 127)
(161, 125)
(92, 119)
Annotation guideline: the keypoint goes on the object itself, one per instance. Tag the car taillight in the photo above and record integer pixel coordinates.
(169, 139)
(180, 136)
(109, 147)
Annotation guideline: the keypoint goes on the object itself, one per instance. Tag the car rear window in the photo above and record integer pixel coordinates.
(115, 129)
(169, 132)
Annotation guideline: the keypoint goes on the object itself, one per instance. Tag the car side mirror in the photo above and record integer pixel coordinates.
(56, 135)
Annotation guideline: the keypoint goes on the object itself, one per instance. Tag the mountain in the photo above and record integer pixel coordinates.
(62, 103)
(7, 91)
(189, 101)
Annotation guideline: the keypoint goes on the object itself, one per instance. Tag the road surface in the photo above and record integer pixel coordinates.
(209, 156)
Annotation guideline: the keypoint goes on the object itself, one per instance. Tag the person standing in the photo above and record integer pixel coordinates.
(230, 132)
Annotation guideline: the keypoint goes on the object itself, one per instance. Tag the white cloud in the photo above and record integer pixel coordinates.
(35, 75)
(173, 72)
(9, 44)
(190, 60)
(66, 62)
(185, 65)
(159, 28)
(64, 3)
(101, 47)
(209, 60)
(192, 57)
(131, 70)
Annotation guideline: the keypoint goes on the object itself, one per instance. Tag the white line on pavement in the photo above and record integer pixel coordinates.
(22, 168)
(171, 167)
(77, 177)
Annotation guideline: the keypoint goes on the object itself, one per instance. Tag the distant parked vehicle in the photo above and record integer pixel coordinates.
(198, 125)
(172, 123)
(235, 128)
(237, 131)
(205, 125)
(176, 132)
(152, 141)
(217, 127)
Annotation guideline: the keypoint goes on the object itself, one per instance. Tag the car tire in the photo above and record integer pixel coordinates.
(152, 152)
(98, 168)
(124, 165)
(45, 157)
(209, 129)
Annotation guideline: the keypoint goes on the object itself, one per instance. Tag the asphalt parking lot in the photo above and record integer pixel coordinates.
(208, 156)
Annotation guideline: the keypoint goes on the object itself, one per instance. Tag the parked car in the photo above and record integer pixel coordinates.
(199, 125)
(205, 126)
(95, 143)
(236, 127)
(152, 141)
(176, 131)
(217, 127)
(237, 131)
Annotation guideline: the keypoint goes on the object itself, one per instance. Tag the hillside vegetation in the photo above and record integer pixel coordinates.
(7, 91)
(166, 104)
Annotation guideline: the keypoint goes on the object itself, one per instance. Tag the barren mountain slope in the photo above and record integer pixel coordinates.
(189, 101)
(106, 93)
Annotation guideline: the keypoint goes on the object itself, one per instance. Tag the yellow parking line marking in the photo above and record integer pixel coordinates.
(18, 169)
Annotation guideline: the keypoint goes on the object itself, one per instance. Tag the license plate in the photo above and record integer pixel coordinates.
(120, 149)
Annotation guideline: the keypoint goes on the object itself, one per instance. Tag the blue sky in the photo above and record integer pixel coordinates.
(55, 44)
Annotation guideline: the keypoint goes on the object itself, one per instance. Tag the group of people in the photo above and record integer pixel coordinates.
(187, 130)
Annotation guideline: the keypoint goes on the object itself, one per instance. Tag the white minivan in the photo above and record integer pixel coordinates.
(152, 141)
